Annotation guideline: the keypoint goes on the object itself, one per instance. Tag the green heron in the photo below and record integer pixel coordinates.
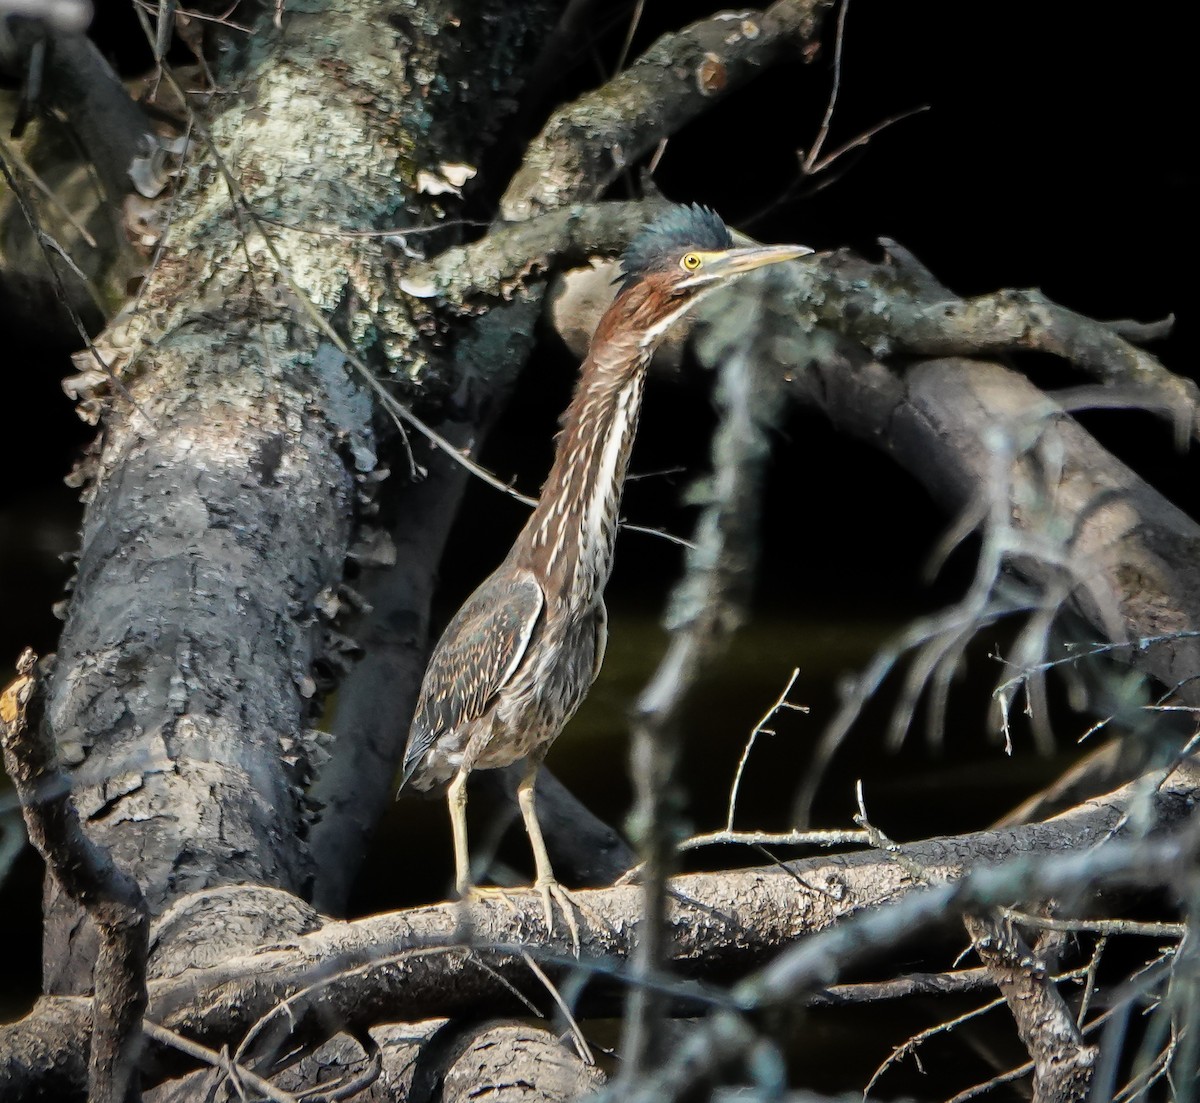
(517, 659)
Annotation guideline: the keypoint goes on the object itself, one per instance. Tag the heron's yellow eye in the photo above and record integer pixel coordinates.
(691, 261)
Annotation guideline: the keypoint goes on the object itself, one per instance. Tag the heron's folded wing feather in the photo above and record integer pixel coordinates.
(478, 653)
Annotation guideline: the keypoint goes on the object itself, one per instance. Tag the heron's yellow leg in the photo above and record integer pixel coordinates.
(545, 882)
(456, 797)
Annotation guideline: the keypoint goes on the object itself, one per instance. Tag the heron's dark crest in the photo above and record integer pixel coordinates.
(660, 244)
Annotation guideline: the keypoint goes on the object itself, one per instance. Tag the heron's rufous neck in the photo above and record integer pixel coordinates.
(568, 540)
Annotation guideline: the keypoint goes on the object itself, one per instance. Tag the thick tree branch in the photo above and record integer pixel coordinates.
(1054, 506)
(86, 873)
(900, 307)
(1062, 1063)
(413, 964)
(224, 506)
(505, 259)
(588, 144)
(506, 1062)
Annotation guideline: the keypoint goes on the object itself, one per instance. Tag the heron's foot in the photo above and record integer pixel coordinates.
(553, 892)
(478, 894)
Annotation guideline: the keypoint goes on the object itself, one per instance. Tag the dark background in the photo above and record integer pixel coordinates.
(1052, 155)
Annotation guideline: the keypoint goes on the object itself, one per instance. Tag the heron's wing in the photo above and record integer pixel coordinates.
(478, 653)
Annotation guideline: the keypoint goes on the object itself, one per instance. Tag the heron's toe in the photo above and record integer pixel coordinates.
(480, 894)
(570, 904)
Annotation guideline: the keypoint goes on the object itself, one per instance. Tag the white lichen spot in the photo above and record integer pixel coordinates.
(419, 287)
(458, 174)
(448, 179)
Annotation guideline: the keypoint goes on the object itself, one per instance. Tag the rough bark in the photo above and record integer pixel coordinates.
(1143, 578)
(86, 874)
(590, 143)
(1063, 1064)
(508, 1062)
(184, 667)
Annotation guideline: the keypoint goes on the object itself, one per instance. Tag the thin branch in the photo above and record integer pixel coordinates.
(865, 136)
(775, 838)
(839, 40)
(909, 1047)
(912, 984)
(781, 702)
(634, 20)
(580, 1042)
(1106, 927)
(221, 1061)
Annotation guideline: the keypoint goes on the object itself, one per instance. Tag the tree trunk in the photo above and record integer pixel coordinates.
(227, 494)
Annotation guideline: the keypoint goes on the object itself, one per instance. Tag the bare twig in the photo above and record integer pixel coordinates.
(839, 41)
(781, 702)
(911, 984)
(580, 1042)
(634, 20)
(812, 163)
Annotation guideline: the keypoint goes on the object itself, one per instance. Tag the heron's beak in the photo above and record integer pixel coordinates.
(736, 261)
